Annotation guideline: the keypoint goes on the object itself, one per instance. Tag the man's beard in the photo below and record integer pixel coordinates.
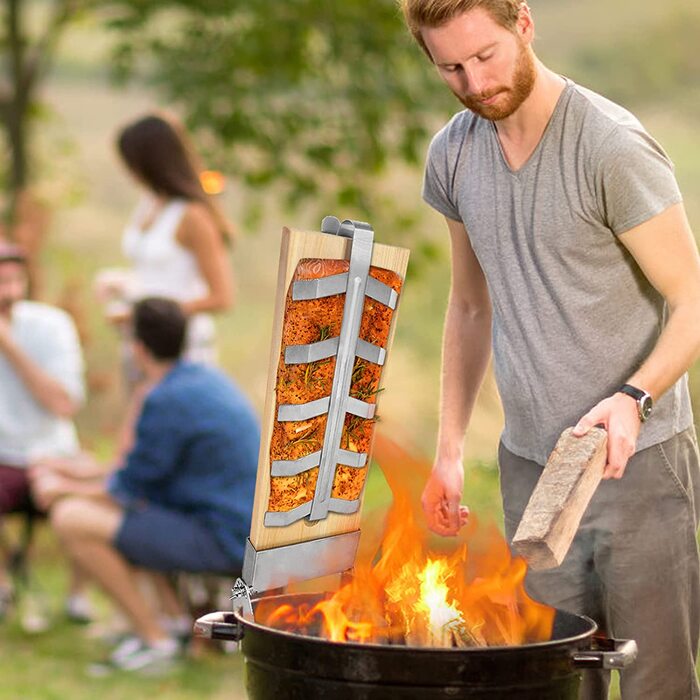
(521, 86)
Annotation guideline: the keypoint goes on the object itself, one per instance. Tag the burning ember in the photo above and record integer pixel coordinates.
(410, 593)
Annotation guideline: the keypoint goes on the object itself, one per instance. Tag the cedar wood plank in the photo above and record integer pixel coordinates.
(296, 245)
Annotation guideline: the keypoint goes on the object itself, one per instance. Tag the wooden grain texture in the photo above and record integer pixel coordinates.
(556, 506)
(295, 246)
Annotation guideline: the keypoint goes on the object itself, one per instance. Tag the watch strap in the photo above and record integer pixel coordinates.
(632, 391)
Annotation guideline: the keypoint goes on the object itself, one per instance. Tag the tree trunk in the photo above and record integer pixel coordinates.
(16, 126)
(15, 113)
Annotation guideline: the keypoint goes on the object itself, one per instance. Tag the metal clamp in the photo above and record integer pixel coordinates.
(240, 599)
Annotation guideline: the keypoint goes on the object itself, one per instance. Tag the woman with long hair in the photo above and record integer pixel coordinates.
(178, 238)
(177, 242)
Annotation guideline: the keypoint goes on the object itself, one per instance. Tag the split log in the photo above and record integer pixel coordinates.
(556, 506)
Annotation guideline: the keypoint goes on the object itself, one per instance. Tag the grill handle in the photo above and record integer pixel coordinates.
(606, 653)
(219, 625)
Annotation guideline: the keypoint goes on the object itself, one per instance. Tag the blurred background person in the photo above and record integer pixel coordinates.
(41, 375)
(177, 239)
(182, 499)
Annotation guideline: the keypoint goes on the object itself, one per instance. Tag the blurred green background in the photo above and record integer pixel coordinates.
(301, 126)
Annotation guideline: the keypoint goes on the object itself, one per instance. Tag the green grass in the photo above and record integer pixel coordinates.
(53, 665)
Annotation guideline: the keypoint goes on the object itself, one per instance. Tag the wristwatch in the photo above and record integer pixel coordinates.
(643, 399)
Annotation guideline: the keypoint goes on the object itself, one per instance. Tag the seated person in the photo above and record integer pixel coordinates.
(41, 375)
(182, 499)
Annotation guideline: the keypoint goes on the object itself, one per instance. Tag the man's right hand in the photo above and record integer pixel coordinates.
(48, 487)
(441, 499)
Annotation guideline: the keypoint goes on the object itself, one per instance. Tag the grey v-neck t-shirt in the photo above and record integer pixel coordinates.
(573, 315)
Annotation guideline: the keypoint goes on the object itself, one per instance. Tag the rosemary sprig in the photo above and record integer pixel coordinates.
(307, 439)
(324, 333)
(365, 392)
(357, 372)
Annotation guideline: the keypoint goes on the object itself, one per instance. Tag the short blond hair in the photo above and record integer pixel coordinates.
(435, 13)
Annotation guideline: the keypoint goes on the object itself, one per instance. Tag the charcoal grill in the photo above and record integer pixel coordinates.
(288, 666)
(321, 538)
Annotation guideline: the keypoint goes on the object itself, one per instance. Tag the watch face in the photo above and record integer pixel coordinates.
(645, 404)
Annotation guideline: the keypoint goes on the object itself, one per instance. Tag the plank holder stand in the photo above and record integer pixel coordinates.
(276, 567)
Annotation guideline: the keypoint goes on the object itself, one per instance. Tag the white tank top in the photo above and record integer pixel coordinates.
(163, 267)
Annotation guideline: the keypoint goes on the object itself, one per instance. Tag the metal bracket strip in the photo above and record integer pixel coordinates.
(292, 467)
(341, 505)
(282, 518)
(370, 352)
(323, 349)
(305, 411)
(272, 568)
(305, 290)
(381, 292)
(313, 352)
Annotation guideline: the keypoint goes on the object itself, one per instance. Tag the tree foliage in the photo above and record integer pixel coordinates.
(314, 96)
(26, 55)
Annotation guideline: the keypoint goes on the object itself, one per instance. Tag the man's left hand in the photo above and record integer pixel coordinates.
(618, 414)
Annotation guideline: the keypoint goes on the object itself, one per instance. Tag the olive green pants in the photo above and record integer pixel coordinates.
(632, 567)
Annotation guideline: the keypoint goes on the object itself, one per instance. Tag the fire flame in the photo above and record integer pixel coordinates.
(412, 593)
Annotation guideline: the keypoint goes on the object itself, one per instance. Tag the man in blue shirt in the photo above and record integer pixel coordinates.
(181, 501)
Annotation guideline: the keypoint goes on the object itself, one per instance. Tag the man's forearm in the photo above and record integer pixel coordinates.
(665, 250)
(676, 350)
(48, 392)
(465, 355)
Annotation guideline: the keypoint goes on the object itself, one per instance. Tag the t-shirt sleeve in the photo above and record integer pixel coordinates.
(634, 179)
(438, 189)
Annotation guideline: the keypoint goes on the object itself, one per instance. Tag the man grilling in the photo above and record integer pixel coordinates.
(41, 389)
(572, 255)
